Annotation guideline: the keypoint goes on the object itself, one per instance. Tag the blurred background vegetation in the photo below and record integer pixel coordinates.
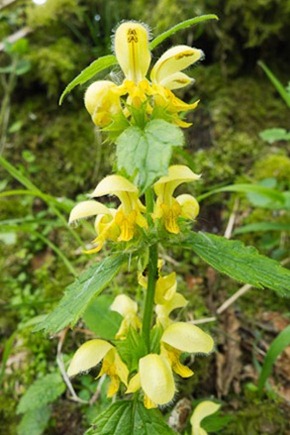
(51, 156)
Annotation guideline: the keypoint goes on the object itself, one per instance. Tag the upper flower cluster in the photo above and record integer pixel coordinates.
(112, 106)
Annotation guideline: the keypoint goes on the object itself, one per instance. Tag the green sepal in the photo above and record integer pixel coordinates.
(240, 262)
(132, 349)
(144, 154)
(129, 417)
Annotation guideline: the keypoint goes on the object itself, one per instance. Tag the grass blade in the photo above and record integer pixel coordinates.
(276, 348)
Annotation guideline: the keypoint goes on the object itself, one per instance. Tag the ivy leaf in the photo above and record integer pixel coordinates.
(94, 68)
(129, 417)
(80, 293)
(145, 154)
(43, 391)
(240, 262)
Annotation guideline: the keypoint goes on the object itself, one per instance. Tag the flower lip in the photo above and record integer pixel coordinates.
(88, 356)
(187, 338)
(156, 378)
(112, 184)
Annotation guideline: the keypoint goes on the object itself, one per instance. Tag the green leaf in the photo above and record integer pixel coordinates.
(145, 154)
(128, 418)
(276, 348)
(240, 262)
(80, 293)
(272, 135)
(94, 68)
(100, 319)
(34, 422)
(180, 26)
(263, 226)
(269, 194)
(276, 82)
(43, 391)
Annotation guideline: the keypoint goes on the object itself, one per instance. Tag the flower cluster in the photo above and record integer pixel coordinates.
(113, 106)
(124, 223)
(155, 370)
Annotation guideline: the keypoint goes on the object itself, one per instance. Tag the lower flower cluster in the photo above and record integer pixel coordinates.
(122, 224)
(152, 371)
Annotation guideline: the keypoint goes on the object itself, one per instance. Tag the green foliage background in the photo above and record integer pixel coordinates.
(58, 149)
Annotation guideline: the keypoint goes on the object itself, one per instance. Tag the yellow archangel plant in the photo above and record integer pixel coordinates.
(148, 349)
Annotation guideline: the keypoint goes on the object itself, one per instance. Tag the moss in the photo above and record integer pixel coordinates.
(260, 417)
(274, 165)
(54, 66)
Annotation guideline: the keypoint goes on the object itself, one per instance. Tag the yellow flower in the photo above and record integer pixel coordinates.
(113, 224)
(169, 208)
(167, 70)
(91, 354)
(163, 310)
(182, 337)
(155, 377)
(203, 409)
(102, 101)
(128, 309)
(155, 372)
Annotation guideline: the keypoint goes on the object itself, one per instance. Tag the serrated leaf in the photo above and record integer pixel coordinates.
(94, 68)
(181, 26)
(43, 391)
(100, 319)
(240, 262)
(145, 154)
(276, 348)
(272, 135)
(34, 422)
(128, 418)
(80, 293)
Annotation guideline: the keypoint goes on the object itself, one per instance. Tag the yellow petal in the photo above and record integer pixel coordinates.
(156, 378)
(134, 384)
(165, 288)
(187, 338)
(132, 50)
(189, 206)
(113, 184)
(173, 60)
(88, 356)
(177, 301)
(176, 81)
(86, 209)
(203, 409)
(177, 174)
(98, 92)
(124, 305)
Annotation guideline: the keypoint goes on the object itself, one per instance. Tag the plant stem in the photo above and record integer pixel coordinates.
(152, 275)
(149, 298)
